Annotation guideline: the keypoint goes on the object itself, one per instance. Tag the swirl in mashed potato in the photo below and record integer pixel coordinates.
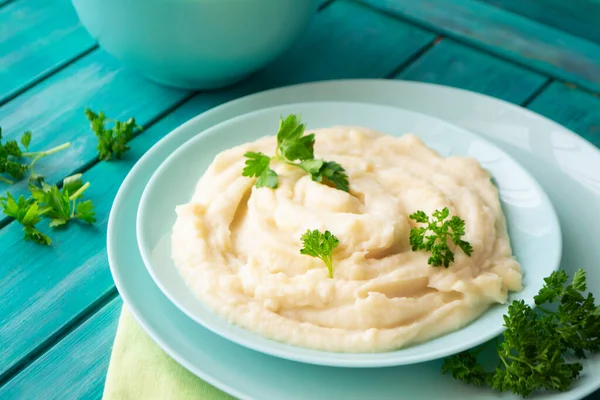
(237, 246)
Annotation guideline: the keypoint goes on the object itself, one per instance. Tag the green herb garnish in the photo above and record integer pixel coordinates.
(48, 201)
(296, 149)
(537, 343)
(28, 214)
(320, 245)
(62, 205)
(434, 237)
(12, 155)
(112, 142)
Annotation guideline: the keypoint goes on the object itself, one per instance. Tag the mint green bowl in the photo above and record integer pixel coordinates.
(196, 44)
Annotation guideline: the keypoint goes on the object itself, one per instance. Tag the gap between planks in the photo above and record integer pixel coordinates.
(44, 347)
(47, 74)
(6, 2)
(525, 103)
(414, 57)
(419, 24)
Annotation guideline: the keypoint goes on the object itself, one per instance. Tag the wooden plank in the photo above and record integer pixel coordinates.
(347, 40)
(450, 63)
(54, 110)
(46, 288)
(571, 107)
(73, 369)
(577, 17)
(505, 34)
(36, 38)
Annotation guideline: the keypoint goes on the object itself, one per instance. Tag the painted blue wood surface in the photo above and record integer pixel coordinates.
(46, 291)
(578, 17)
(74, 368)
(450, 63)
(53, 110)
(506, 34)
(36, 38)
(62, 281)
(571, 107)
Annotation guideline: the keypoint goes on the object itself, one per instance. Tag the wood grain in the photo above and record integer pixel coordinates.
(505, 34)
(577, 17)
(48, 287)
(75, 367)
(36, 38)
(347, 40)
(54, 111)
(571, 107)
(450, 63)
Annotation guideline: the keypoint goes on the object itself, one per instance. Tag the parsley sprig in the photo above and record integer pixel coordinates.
(537, 343)
(62, 204)
(296, 149)
(59, 206)
(28, 213)
(320, 245)
(435, 236)
(112, 142)
(12, 158)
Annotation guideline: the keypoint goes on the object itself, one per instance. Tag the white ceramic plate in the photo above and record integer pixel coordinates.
(566, 166)
(532, 222)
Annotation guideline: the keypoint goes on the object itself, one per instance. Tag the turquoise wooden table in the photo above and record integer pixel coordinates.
(59, 305)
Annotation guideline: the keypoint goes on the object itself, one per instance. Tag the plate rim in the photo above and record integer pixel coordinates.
(399, 85)
(318, 357)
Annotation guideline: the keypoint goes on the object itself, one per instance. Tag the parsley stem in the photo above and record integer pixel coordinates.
(283, 160)
(73, 207)
(329, 263)
(2, 179)
(79, 192)
(40, 154)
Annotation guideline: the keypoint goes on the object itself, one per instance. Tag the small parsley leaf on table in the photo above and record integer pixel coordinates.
(320, 245)
(62, 205)
(434, 236)
(112, 142)
(27, 213)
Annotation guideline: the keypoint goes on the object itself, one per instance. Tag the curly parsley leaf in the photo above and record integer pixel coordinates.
(320, 245)
(296, 149)
(537, 344)
(112, 141)
(434, 237)
(27, 213)
(11, 158)
(465, 367)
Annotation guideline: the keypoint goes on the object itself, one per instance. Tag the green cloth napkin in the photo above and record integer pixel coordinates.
(139, 369)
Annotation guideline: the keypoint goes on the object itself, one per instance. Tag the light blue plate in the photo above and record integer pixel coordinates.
(532, 222)
(567, 167)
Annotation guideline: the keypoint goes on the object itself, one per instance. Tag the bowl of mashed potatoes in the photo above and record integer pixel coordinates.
(369, 236)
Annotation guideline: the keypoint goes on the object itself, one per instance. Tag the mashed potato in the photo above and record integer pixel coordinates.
(238, 247)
